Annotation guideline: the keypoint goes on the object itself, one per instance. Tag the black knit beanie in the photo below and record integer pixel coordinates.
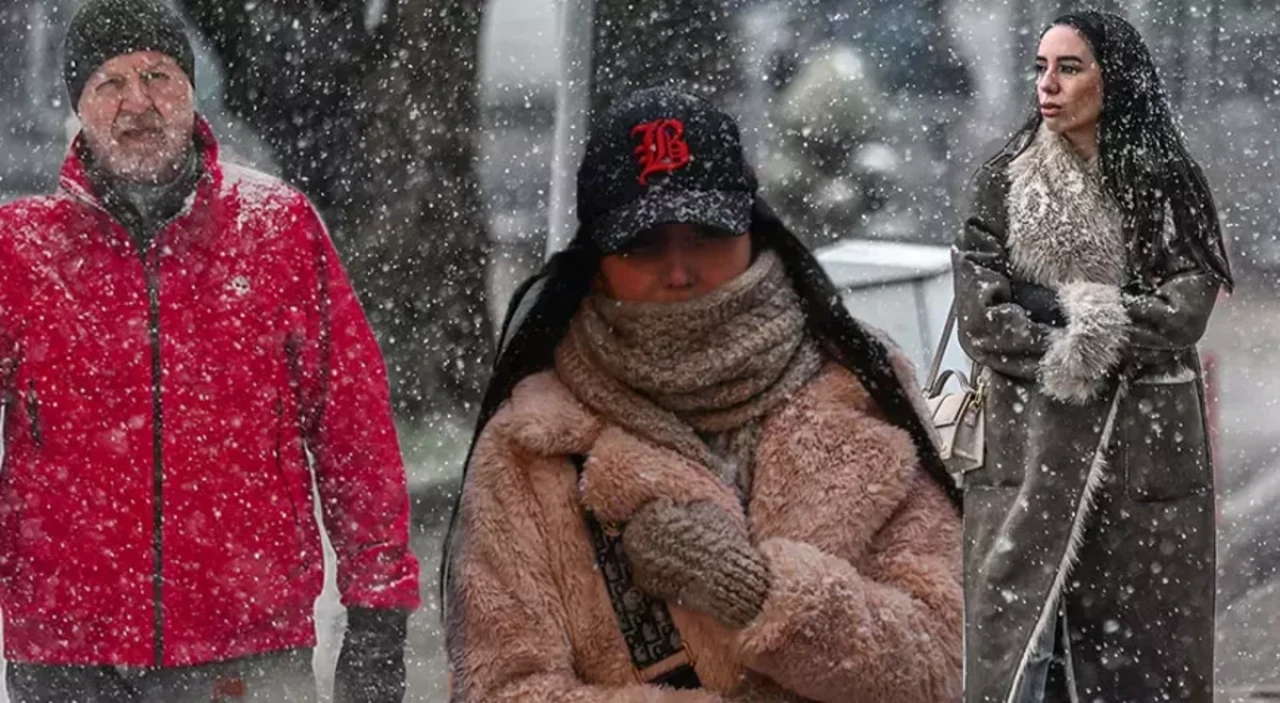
(105, 29)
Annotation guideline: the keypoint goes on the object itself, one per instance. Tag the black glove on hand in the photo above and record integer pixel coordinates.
(371, 664)
(1139, 286)
(1040, 303)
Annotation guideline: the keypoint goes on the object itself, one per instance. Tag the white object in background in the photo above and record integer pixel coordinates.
(573, 109)
(903, 289)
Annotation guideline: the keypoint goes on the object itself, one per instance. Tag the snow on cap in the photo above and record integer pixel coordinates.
(662, 156)
(105, 29)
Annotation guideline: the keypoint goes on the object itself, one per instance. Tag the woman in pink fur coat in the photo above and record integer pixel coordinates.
(696, 478)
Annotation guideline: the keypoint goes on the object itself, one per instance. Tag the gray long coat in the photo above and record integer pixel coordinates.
(1096, 500)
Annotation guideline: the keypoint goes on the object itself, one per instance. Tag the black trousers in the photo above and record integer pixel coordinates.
(283, 677)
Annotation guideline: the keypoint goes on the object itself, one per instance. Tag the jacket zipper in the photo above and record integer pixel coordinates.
(150, 256)
(151, 266)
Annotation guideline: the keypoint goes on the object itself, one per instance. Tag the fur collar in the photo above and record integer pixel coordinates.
(625, 471)
(1063, 228)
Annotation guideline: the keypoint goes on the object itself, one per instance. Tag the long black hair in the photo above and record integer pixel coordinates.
(542, 308)
(1143, 158)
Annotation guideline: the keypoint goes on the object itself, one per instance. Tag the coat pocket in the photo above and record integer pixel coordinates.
(31, 401)
(294, 478)
(284, 472)
(1166, 450)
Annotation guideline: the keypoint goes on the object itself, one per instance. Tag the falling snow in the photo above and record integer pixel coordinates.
(428, 134)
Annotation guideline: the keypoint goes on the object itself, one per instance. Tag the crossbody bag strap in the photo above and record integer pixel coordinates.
(976, 370)
(936, 366)
(657, 650)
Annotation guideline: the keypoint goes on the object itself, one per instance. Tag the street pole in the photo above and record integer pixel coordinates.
(573, 106)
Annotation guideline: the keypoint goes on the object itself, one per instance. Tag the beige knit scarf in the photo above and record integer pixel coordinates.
(696, 376)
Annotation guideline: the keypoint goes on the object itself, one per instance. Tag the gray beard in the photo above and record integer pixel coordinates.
(153, 199)
(144, 208)
(172, 173)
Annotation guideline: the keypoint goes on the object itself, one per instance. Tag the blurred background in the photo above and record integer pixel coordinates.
(427, 133)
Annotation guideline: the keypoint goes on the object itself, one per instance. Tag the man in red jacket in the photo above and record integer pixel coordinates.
(180, 354)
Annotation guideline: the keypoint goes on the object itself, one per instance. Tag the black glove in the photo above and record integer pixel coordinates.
(1139, 286)
(1040, 303)
(371, 664)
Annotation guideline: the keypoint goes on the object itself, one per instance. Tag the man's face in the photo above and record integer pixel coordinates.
(138, 113)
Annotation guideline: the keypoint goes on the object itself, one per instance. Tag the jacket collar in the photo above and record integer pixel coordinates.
(624, 471)
(74, 180)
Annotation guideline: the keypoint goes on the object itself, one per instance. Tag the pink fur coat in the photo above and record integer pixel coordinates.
(863, 549)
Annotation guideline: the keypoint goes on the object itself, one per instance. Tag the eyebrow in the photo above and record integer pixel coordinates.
(1063, 59)
(159, 64)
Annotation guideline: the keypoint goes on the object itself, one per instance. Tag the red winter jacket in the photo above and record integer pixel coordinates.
(160, 406)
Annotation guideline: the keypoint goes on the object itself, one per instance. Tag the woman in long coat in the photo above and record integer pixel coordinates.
(697, 479)
(1085, 276)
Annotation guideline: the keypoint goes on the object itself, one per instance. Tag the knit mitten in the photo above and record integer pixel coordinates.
(695, 555)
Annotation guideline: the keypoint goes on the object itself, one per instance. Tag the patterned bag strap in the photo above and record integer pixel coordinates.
(658, 653)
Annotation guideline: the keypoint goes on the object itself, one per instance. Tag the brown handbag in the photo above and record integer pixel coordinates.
(958, 416)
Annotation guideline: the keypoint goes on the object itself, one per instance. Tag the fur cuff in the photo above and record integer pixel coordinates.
(1083, 354)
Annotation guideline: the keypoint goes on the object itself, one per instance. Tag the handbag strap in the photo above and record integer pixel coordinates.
(936, 389)
(936, 365)
(657, 650)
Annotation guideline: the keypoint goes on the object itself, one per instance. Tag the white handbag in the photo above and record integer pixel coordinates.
(958, 416)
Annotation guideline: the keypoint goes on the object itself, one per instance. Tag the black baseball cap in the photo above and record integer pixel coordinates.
(663, 156)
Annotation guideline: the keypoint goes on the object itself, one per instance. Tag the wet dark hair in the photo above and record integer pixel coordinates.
(1142, 155)
(542, 308)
